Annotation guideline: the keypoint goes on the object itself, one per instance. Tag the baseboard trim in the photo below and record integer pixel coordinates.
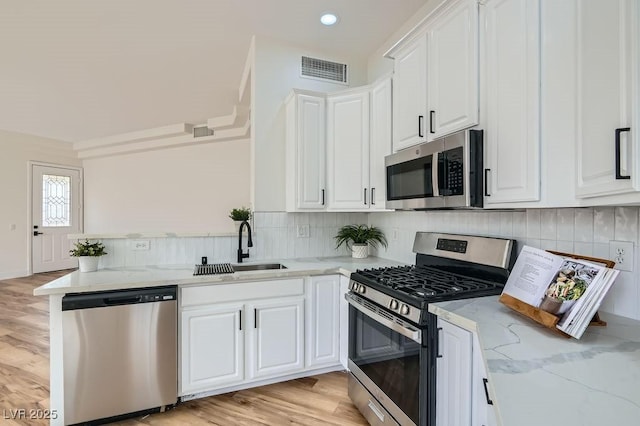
(7, 275)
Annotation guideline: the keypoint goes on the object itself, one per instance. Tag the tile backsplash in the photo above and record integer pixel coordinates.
(274, 237)
(585, 231)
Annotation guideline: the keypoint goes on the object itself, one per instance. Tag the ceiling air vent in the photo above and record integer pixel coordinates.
(324, 70)
(202, 131)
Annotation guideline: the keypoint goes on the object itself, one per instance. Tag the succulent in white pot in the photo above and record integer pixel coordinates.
(358, 238)
(88, 254)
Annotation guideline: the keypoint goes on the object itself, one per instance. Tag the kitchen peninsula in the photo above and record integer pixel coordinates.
(531, 371)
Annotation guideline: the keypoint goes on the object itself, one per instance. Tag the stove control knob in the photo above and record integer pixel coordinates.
(362, 289)
(393, 304)
(404, 310)
(354, 286)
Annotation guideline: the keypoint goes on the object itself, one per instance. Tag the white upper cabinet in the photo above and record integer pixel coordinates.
(380, 142)
(452, 70)
(511, 100)
(435, 81)
(348, 150)
(305, 151)
(358, 139)
(607, 97)
(410, 94)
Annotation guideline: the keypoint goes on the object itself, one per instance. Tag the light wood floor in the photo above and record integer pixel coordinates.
(24, 378)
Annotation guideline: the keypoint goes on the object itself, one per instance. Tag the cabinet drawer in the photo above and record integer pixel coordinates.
(229, 292)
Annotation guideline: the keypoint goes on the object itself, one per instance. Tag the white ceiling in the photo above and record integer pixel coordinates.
(79, 69)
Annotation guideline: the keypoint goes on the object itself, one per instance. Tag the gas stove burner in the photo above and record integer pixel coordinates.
(424, 293)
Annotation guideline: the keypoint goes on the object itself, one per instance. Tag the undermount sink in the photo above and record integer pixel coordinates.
(258, 267)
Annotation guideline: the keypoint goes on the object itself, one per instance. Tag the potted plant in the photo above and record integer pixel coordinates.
(88, 254)
(357, 238)
(240, 215)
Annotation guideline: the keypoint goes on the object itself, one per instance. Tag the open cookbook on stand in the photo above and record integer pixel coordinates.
(568, 287)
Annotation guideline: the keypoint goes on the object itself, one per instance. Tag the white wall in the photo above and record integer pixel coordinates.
(277, 71)
(182, 189)
(16, 151)
(585, 231)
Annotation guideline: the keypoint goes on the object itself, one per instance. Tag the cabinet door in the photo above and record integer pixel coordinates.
(306, 151)
(607, 55)
(482, 403)
(348, 151)
(277, 337)
(212, 348)
(323, 321)
(452, 82)
(380, 143)
(410, 94)
(453, 376)
(512, 99)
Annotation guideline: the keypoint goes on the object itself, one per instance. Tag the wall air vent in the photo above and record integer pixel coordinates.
(201, 131)
(324, 70)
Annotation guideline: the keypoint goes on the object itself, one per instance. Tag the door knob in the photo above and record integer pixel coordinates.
(36, 233)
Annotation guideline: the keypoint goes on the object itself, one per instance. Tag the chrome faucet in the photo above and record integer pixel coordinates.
(242, 255)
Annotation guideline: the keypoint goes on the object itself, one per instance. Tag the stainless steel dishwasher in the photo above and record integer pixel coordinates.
(120, 353)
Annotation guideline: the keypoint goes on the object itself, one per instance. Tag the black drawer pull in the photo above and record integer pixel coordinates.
(420, 118)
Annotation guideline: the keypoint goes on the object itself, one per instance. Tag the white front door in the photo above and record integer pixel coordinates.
(56, 212)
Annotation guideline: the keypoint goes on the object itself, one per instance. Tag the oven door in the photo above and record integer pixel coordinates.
(389, 360)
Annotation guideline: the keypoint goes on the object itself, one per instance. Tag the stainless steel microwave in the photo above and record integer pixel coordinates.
(444, 173)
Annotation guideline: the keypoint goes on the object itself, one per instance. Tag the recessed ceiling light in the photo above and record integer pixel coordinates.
(328, 19)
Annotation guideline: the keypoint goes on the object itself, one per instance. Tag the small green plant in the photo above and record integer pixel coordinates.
(360, 234)
(242, 213)
(88, 249)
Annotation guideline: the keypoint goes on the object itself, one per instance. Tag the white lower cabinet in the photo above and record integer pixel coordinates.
(323, 321)
(277, 337)
(462, 395)
(453, 378)
(212, 347)
(290, 326)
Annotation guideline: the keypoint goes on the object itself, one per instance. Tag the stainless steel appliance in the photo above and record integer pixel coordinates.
(120, 353)
(445, 173)
(393, 337)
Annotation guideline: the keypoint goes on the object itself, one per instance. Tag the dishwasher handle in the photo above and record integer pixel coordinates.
(111, 301)
(102, 299)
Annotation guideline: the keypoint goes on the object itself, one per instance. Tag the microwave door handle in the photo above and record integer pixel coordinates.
(434, 174)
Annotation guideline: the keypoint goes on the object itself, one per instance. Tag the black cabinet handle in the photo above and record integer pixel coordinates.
(255, 318)
(486, 182)
(240, 312)
(322, 194)
(420, 118)
(618, 131)
(486, 390)
(373, 196)
(365, 196)
(432, 116)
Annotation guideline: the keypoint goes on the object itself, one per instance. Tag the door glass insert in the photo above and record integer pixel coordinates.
(56, 200)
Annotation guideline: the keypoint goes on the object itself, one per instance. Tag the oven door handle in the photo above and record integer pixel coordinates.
(412, 333)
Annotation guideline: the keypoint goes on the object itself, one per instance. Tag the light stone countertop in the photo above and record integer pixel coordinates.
(537, 377)
(152, 276)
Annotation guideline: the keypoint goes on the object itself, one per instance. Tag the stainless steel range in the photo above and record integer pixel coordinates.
(393, 337)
